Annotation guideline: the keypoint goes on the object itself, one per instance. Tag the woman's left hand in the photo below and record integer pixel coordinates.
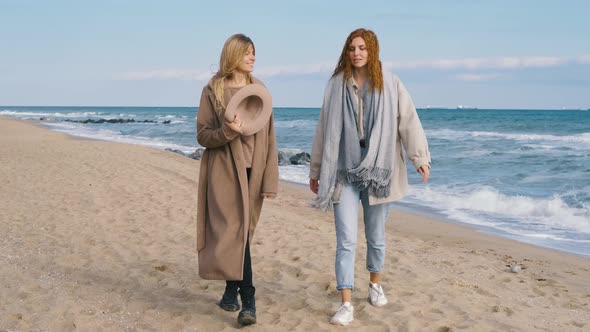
(425, 172)
(235, 125)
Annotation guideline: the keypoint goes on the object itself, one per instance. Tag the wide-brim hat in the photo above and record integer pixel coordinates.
(253, 103)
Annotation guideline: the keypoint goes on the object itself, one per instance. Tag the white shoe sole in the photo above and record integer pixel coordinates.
(340, 323)
(378, 305)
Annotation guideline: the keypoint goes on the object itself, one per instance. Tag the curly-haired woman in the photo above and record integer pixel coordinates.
(366, 117)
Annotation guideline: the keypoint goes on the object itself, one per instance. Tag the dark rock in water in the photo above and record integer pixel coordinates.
(42, 119)
(302, 158)
(197, 155)
(113, 121)
(167, 122)
(176, 151)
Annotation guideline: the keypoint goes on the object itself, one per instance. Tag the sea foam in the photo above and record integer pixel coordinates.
(538, 212)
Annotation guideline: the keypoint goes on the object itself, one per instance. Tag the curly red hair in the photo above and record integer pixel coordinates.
(373, 62)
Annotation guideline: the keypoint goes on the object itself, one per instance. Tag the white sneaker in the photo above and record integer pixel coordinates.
(344, 315)
(376, 295)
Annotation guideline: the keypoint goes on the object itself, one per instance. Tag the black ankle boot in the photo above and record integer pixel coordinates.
(248, 314)
(229, 300)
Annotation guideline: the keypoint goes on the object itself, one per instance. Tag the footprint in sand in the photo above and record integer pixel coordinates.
(329, 287)
(506, 310)
(274, 318)
(436, 311)
(444, 329)
(538, 292)
(578, 324)
(395, 307)
(266, 301)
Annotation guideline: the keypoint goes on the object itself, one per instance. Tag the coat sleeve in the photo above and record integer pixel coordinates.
(410, 129)
(270, 179)
(317, 149)
(210, 133)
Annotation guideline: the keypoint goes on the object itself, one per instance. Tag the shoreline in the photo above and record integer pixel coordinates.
(411, 208)
(100, 235)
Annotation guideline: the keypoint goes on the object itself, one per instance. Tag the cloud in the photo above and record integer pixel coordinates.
(203, 75)
(491, 63)
(294, 70)
(472, 77)
(497, 63)
(166, 74)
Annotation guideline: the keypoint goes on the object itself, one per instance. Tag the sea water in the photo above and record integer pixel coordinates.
(522, 174)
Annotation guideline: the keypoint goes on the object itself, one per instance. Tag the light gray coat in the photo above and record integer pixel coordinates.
(410, 135)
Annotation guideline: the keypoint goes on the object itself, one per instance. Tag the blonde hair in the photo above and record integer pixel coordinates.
(232, 54)
(373, 62)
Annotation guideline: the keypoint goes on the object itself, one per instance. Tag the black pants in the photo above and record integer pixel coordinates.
(245, 285)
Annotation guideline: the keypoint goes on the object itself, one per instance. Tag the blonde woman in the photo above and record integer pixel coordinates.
(237, 172)
(366, 117)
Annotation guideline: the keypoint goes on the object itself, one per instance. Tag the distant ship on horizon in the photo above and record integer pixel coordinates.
(461, 107)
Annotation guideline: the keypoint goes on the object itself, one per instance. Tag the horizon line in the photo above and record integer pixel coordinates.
(458, 107)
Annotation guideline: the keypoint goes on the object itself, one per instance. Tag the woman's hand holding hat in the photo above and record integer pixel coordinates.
(235, 125)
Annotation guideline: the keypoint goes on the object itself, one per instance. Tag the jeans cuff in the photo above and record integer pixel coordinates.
(341, 287)
(374, 270)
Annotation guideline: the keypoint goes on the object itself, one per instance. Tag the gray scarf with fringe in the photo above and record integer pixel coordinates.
(342, 159)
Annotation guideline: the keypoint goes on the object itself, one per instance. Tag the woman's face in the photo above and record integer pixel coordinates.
(357, 52)
(247, 64)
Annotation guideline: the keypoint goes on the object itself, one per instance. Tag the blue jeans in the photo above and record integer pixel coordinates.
(346, 220)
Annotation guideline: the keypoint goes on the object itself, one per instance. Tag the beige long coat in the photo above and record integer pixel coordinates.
(229, 206)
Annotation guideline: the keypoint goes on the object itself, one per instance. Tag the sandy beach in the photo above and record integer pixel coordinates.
(100, 236)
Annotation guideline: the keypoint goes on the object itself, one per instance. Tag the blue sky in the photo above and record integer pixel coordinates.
(487, 54)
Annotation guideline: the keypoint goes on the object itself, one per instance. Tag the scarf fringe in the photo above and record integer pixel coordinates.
(376, 180)
(323, 203)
